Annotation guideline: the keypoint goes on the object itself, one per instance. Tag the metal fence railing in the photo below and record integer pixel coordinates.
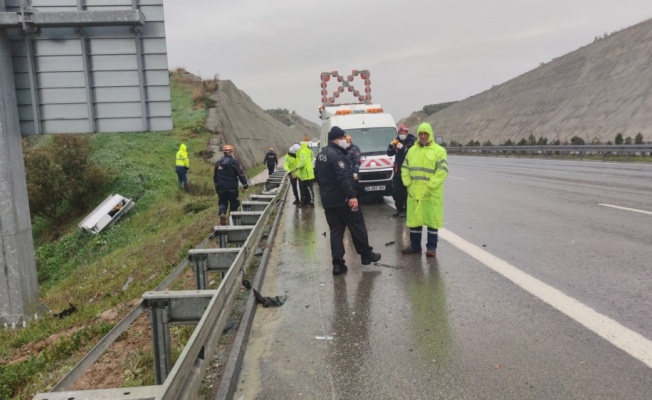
(207, 309)
(562, 151)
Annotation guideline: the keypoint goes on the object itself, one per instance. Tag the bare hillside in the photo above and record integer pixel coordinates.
(596, 91)
(249, 128)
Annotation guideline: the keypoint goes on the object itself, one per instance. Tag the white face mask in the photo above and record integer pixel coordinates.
(342, 143)
(402, 137)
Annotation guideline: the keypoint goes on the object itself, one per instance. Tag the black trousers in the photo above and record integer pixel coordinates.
(338, 220)
(399, 192)
(226, 198)
(307, 194)
(270, 168)
(294, 182)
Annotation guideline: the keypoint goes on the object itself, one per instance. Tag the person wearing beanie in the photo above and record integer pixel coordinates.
(339, 198)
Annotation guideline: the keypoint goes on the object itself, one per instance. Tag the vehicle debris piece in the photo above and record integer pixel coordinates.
(126, 285)
(68, 311)
(388, 266)
(107, 213)
(275, 301)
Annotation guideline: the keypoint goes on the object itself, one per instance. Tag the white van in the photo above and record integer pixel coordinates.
(372, 130)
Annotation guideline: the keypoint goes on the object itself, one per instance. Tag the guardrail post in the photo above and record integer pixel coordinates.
(199, 266)
(236, 235)
(159, 318)
(254, 205)
(245, 217)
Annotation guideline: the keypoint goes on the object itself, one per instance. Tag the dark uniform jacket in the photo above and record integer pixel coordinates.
(354, 154)
(400, 153)
(334, 176)
(270, 158)
(227, 173)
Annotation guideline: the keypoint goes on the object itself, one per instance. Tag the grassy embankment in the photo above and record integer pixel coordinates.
(89, 271)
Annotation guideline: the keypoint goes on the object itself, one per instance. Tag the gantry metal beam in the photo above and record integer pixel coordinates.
(45, 19)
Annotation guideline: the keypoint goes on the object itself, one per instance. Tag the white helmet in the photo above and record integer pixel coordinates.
(294, 148)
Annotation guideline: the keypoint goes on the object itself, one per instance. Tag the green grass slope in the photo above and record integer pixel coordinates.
(89, 271)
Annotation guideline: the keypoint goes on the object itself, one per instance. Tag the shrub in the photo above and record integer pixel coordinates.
(61, 176)
(619, 138)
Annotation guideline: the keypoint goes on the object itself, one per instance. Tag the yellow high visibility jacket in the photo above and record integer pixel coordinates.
(182, 157)
(290, 164)
(304, 162)
(423, 173)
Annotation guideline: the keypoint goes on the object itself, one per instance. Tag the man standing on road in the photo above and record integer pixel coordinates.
(339, 199)
(226, 176)
(354, 155)
(306, 174)
(182, 166)
(424, 171)
(289, 166)
(271, 160)
(399, 148)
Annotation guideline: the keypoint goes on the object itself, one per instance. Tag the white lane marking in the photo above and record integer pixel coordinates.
(625, 339)
(626, 209)
(455, 177)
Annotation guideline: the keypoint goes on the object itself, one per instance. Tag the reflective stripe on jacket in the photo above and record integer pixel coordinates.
(304, 163)
(290, 164)
(227, 173)
(354, 155)
(182, 157)
(423, 173)
(334, 176)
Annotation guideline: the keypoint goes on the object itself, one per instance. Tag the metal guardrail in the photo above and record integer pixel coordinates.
(550, 150)
(182, 381)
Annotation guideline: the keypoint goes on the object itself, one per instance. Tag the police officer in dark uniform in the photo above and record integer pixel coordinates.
(399, 148)
(334, 175)
(271, 161)
(226, 175)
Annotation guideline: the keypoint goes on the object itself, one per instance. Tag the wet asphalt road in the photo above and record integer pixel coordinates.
(455, 328)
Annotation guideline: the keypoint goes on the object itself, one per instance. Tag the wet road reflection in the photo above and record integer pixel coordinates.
(350, 328)
(430, 327)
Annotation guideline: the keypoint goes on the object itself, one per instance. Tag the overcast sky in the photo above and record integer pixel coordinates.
(418, 52)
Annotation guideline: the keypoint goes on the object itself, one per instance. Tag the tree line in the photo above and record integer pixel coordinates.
(543, 141)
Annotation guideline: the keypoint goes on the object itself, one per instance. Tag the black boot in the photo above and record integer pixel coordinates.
(369, 258)
(339, 268)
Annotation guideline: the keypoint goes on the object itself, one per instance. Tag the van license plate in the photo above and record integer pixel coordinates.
(374, 188)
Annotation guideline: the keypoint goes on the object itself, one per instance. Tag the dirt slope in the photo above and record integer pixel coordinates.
(598, 91)
(249, 128)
